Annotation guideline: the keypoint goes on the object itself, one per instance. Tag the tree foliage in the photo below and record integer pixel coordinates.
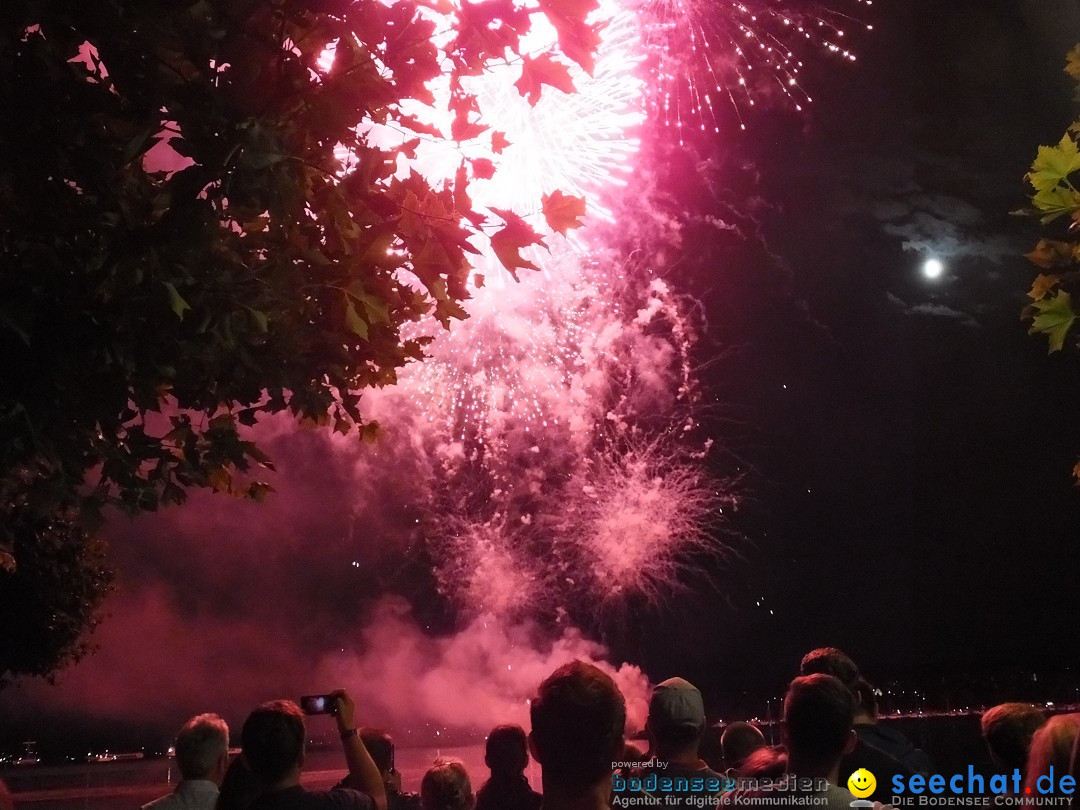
(48, 602)
(183, 246)
(1054, 178)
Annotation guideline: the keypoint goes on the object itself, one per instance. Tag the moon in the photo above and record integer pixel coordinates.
(933, 268)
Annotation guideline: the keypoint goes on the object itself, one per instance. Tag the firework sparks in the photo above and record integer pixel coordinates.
(560, 414)
(707, 52)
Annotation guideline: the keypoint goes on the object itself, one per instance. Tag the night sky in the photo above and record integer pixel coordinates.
(909, 445)
(905, 448)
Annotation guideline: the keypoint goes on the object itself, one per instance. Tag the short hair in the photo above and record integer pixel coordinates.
(740, 740)
(578, 720)
(507, 750)
(1008, 729)
(273, 740)
(446, 786)
(200, 744)
(381, 747)
(818, 715)
(865, 696)
(1051, 748)
(830, 661)
(765, 763)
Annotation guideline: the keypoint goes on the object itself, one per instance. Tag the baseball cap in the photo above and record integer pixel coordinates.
(676, 702)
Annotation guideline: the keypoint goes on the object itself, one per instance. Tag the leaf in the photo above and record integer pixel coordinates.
(540, 71)
(482, 168)
(1043, 284)
(498, 142)
(374, 308)
(356, 324)
(262, 322)
(1054, 318)
(461, 189)
(1053, 202)
(259, 491)
(257, 225)
(570, 9)
(220, 479)
(1054, 164)
(1050, 253)
(577, 40)
(563, 211)
(416, 125)
(1072, 63)
(508, 242)
(176, 302)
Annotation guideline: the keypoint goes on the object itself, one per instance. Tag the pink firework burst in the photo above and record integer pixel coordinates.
(704, 53)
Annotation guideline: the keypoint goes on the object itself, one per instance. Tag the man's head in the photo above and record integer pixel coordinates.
(446, 786)
(818, 714)
(507, 750)
(1008, 730)
(273, 741)
(866, 703)
(830, 661)
(739, 741)
(202, 748)
(381, 747)
(578, 718)
(676, 718)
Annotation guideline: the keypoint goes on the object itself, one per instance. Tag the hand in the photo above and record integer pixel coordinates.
(345, 710)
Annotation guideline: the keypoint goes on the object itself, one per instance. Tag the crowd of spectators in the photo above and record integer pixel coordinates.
(830, 739)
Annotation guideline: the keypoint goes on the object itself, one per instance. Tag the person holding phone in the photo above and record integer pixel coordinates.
(273, 740)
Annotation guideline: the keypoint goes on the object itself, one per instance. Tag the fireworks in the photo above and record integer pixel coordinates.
(705, 53)
(558, 420)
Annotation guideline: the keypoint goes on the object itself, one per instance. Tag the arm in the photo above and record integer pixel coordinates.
(361, 766)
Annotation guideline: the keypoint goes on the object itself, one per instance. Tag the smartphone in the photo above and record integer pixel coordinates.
(318, 704)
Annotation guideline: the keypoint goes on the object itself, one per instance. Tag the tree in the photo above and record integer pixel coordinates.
(194, 231)
(1054, 176)
(49, 601)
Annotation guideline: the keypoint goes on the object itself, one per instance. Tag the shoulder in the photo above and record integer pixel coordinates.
(300, 799)
(166, 802)
(345, 798)
(402, 800)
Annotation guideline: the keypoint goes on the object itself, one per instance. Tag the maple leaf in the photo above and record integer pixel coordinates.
(416, 125)
(461, 189)
(563, 211)
(1054, 164)
(540, 71)
(1050, 253)
(499, 142)
(462, 129)
(482, 168)
(1053, 202)
(1072, 62)
(463, 104)
(1042, 285)
(508, 242)
(1053, 317)
(578, 40)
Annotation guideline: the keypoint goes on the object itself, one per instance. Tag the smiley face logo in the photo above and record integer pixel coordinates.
(861, 783)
